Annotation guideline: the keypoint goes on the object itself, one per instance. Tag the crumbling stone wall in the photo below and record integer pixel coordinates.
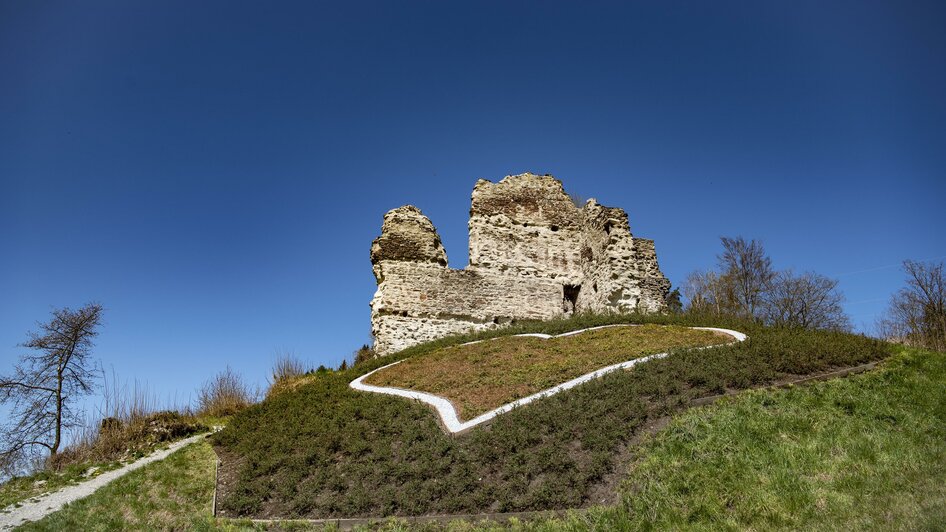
(533, 255)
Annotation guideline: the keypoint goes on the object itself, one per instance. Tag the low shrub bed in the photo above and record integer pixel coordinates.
(482, 376)
(325, 450)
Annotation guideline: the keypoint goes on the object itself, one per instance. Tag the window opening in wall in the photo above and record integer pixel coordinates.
(570, 297)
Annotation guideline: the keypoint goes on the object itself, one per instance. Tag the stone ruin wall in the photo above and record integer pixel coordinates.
(533, 255)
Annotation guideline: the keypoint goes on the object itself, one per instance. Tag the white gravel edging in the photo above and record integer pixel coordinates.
(448, 413)
(36, 508)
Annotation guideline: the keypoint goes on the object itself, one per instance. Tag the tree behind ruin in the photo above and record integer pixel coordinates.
(746, 286)
(748, 269)
(917, 313)
(809, 301)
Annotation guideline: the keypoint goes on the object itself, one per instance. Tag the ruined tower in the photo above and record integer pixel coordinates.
(534, 254)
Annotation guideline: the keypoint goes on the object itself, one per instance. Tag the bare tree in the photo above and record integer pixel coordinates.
(710, 292)
(749, 270)
(917, 313)
(44, 384)
(809, 300)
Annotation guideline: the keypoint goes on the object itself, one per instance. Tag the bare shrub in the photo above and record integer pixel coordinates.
(224, 395)
(286, 367)
(129, 422)
(746, 286)
(119, 440)
(288, 372)
(710, 293)
(917, 313)
(809, 300)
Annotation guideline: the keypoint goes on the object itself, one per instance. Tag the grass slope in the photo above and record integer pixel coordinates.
(122, 443)
(173, 494)
(17, 490)
(479, 377)
(325, 450)
(865, 452)
(862, 453)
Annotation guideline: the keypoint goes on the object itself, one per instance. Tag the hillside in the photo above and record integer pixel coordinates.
(324, 450)
(863, 452)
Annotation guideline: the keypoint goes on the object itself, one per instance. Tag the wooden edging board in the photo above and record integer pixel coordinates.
(348, 523)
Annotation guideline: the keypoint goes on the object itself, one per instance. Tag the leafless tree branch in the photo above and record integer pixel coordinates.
(44, 382)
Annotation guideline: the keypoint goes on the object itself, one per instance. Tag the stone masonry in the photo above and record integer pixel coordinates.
(534, 255)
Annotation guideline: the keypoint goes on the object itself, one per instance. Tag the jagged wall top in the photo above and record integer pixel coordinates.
(534, 254)
(525, 199)
(525, 224)
(407, 235)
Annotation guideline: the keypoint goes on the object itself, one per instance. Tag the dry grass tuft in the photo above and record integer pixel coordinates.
(288, 373)
(130, 423)
(225, 395)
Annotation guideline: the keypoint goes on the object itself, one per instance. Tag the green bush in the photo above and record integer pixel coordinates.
(325, 450)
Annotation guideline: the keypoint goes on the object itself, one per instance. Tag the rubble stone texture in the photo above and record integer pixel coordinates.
(533, 255)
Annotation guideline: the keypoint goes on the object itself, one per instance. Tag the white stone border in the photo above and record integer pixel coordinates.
(448, 413)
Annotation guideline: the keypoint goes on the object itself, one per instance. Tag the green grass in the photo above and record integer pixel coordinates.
(862, 453)
(17, 490)
(869, 451)
(325, 450)
(108, 450)
(482, 376)
(173, 494)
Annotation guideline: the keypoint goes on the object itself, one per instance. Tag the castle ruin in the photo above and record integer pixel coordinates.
(534, 255)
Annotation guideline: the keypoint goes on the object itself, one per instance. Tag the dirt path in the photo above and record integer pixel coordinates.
(36, 508)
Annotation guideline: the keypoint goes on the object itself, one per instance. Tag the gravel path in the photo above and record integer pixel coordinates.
(36, 508)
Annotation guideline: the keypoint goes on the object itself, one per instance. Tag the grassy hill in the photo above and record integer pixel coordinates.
(325, 450)
(864, 452)
(121, 441)
(173, 494)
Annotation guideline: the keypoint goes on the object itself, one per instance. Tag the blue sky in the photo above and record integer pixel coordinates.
(214, 172)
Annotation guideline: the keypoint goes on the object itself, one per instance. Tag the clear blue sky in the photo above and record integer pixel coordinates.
(214, 172)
